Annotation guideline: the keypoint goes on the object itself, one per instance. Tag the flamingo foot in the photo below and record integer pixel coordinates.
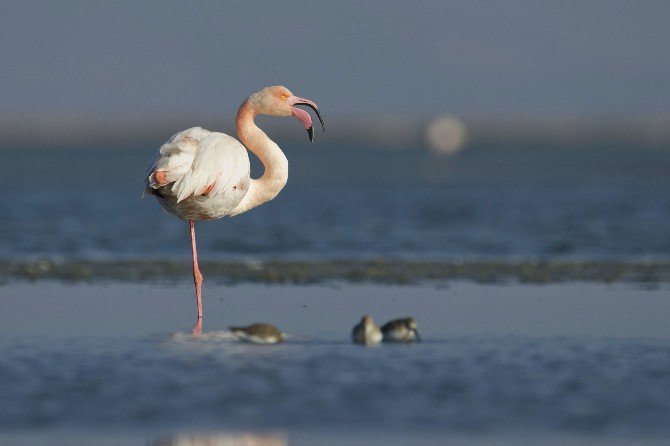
(197, 328)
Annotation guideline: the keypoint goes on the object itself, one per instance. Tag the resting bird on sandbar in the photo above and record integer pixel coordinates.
(366, 332)
(200, 175)
(401, 330)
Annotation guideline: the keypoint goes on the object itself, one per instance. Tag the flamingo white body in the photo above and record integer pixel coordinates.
(207, 174)
(202, 175)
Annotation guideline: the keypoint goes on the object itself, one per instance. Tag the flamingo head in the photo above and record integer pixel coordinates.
(279, 101)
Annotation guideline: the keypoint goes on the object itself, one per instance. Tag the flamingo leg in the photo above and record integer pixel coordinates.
(197, 278)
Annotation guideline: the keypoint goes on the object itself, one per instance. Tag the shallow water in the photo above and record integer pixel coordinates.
(94, 359)
(554, 362)
(351, 202)
(462, 384)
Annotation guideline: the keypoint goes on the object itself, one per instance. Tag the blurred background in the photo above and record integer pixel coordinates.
(464, 140)
(454, 129)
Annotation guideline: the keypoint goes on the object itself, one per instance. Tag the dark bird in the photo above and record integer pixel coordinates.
(258, 334)
(401, 330)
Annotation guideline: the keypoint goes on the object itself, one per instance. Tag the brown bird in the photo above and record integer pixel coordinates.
(401, 330)
(366, 332)
(258, 333)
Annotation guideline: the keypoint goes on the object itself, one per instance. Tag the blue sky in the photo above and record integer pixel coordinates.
(475, 57)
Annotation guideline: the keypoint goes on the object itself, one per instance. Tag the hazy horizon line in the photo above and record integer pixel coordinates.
(386, 129)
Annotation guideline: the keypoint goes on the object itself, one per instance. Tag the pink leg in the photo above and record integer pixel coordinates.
(197, 277)
(197, 328)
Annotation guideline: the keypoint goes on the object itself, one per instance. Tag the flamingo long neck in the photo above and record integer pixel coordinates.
(274, 161)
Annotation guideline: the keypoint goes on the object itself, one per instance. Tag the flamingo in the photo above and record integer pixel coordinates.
(199, 175)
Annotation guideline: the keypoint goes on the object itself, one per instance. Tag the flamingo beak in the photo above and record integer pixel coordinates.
(303, 116)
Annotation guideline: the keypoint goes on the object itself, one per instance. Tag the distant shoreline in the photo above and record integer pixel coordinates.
(60, 130)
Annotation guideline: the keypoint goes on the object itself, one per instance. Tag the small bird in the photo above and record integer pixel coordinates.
(401, 330)
(199, 175)
(259, 333)
(366, 332)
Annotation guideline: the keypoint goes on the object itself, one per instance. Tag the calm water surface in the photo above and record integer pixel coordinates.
(113, 363)
(349, 202)
(555, 360)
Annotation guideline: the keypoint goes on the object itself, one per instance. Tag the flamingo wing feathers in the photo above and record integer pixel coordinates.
(198, 162)
(174, 158)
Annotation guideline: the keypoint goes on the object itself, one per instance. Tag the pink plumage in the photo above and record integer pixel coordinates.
(202, 175)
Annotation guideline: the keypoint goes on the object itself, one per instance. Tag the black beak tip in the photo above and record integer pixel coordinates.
(323, 126)
(310, 133)
(318, 115)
